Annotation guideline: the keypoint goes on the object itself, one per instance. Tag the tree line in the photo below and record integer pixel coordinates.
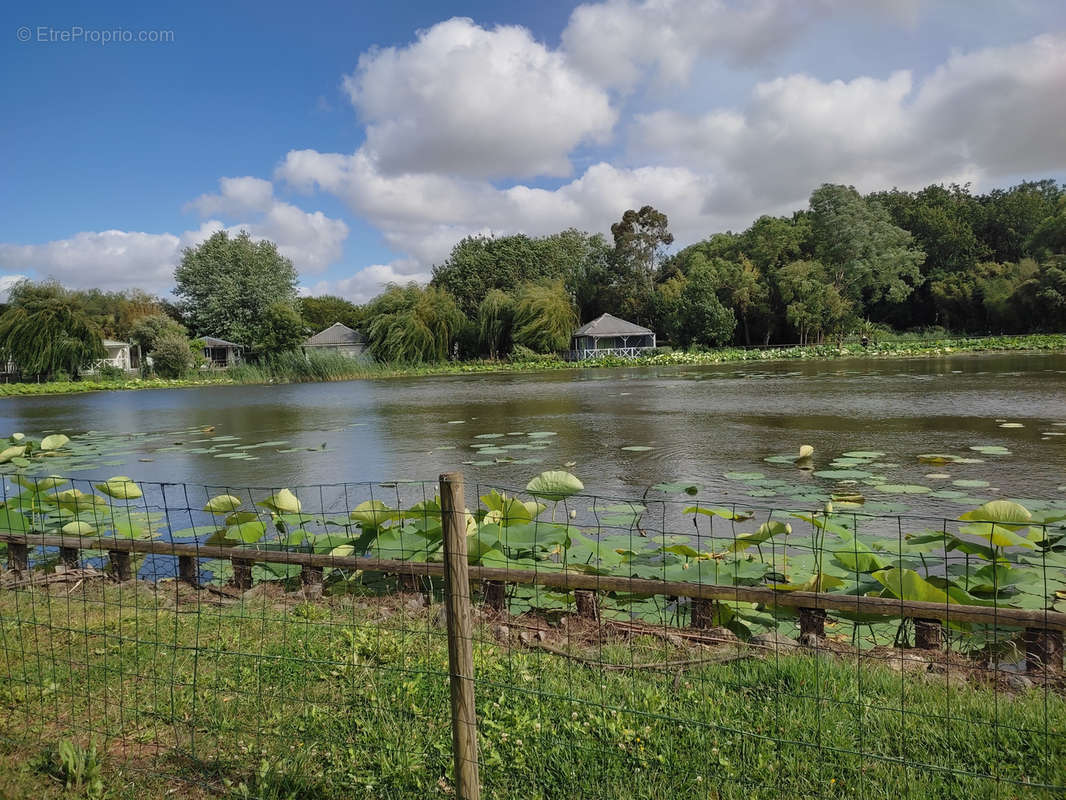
(938, 258)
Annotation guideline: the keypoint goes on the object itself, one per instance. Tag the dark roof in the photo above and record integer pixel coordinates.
(609, 325)
(211, 341)
(336, 334)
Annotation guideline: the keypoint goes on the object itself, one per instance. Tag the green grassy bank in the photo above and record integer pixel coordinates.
(320, 367)
(159, 694)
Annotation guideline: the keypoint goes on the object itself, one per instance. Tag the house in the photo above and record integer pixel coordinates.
(338, 338)
(121, 355)
(607, 335)
(220, 353)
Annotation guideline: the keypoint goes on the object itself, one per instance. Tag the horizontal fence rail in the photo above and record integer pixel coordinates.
(569, 581)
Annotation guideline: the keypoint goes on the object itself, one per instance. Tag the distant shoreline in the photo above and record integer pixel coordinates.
(1032, 343)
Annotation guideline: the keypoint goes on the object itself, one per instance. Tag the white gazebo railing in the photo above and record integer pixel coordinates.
(603, 352)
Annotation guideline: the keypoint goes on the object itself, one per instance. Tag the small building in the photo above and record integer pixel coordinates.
(607, 335)
(220, 353)
(338, 338)
(120, 355)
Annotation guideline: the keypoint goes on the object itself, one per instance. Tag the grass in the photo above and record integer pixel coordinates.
(275, 697)
(318, 367)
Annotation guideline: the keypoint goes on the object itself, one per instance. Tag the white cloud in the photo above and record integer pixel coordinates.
(480, 103)
(985, 115)
(236, 196)
(6, 282)
(118, 259)
(370, 281)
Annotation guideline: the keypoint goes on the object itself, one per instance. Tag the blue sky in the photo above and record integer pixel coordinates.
(367, 139)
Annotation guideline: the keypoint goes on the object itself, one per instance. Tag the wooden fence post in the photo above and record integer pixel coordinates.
(242, 573)
(121, 567)
(494, 595)
(701, 613)
(812, 621)
(187, 570)
(928, 634)
(18, 557)
(68, 557)
(311, 576)
(588, 604)
(1043, 650)
(460, 636)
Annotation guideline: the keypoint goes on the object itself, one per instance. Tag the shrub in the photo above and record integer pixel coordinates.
(172, 356)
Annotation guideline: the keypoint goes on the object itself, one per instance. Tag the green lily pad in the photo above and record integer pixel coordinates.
(744, 476)
(637, 448)
(970, 484)
(842, 474)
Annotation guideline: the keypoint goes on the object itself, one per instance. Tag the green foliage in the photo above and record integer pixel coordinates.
(46, 330)
(319, 313)
(495, 319)
(228, 286)
(283, 329)
(412, 325)
(77, 768)
(172, 356)
(544, 317)
(147, 330)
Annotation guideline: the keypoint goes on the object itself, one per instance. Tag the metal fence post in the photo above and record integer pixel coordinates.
(460, 636)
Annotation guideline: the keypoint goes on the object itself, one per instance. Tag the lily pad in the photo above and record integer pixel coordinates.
(744, 476)
(991, 450)
(842, 474)
(637, 448)
(970, 484)
(121, 488)
(863, 454)
(54, 442)
(555, 485)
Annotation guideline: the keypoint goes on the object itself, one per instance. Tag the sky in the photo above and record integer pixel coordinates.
(366, 139)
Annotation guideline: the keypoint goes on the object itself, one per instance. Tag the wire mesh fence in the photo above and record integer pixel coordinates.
(210, 640)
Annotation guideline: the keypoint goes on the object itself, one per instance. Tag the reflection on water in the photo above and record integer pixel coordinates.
(698, 422)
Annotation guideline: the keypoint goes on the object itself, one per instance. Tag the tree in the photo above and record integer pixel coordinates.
(147, 330)
(689, 309)
(229, 284)
(410, 324)
(320, 312)
(639, 242)
(544, 317)
(283, 329)
(814, 305)
(172, 355)
(866, 257)
(495, 318)
(46, 331)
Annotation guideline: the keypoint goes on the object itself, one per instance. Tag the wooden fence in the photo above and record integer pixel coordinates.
(1042, 630)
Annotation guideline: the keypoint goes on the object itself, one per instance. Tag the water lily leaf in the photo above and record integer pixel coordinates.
(283, 502)
(903, 488)
(991, 450)
(542, 434)
(12, 452)
(79, 528)
(1000, 511)
(819, 582)
(764, 532)
(120, 487)
(373, 514)
(906, 584)
(842, 474)
(724, 513)
(1011, 425)
(489, 436)
(247, 532)
(637, 448)
(555, 485)
(77, 501)
(937, 458)
(54, 442)
(863, 454)
(17, 437)
(744, 476)
(223, 504)
(997, 534)
(240, 517)
(40, 484)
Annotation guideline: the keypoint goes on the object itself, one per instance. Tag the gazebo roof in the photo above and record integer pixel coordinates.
(336, 334)
(610, 325)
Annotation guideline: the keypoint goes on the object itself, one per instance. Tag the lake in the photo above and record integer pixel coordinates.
(686, 425)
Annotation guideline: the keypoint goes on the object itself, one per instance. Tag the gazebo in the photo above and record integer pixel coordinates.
(607, 335)
(338, 338)
(220, 353)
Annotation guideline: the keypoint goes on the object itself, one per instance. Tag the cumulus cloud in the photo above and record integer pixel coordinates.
(984, 115)
(370, 281)
(235, 196)
(119, 259)
(468, 101)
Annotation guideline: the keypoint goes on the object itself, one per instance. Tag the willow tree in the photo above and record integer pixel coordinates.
(544, 317)
(45, 331)
(411, 325)
(495, 318)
